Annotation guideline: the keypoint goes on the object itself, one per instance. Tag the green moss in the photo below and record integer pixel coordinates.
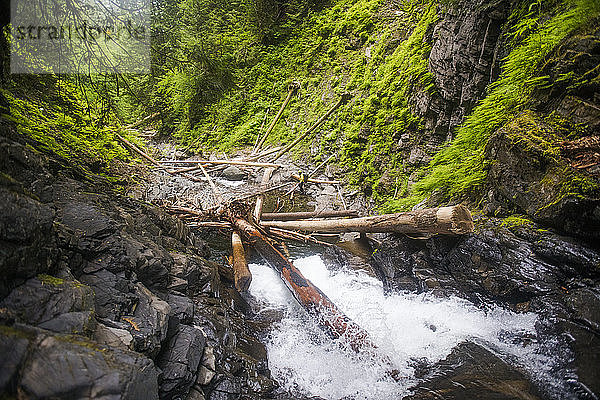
(10, 331)
(461, 169)
(62, 127)
(50, 280)
(516, 221)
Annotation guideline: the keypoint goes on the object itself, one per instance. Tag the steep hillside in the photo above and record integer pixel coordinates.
(431, 82)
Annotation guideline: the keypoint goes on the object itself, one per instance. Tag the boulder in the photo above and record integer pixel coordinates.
(179, 362)
(233, 173)
(51, 303)
(149, 323)
(66, 366)
(473, 372)
(27, 237)
(113, 337)
(114, 293)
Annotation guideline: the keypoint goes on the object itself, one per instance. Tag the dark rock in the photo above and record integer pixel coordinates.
(53, 304)
(13, 348)
(464, 59)
(233, 173)
(180, 361)
(182, 311)
(149, 323)
(472, 372)
(27, 239)
(227, 389)
(114, 294)
(66, 366)
(81, 322)
(200, 275)
(526, 179)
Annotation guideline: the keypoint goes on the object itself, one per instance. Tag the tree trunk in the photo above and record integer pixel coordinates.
(241, 274)
(454, 220)
(307, 294)
(305, 215)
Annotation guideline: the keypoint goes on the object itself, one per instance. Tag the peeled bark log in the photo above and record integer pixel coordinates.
(307, 294)
(309, 214)
(261, 198)
(241, 274)
(454, 220)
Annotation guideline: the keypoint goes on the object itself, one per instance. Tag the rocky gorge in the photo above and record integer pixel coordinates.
(105, 295)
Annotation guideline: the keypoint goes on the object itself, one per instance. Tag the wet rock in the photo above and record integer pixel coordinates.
(524, 178)
(52, 303)
(200, 275)
(180, 361)
(27, 239)
(114, 293)
(66, 366)
(113, 337)
(149, 323)
(182, 310)
(472, 372)
(227, 389)
(13, 349)
(207, 368)
(233, 173)
(464, 59)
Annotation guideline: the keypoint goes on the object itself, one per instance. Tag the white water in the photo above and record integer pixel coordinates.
(406, 327)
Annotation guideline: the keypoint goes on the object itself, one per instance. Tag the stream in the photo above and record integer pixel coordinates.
(413, 330)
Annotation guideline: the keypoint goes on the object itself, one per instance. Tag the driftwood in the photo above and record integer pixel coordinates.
(307, 214)
(307, 294)
(261, 198)
(311, 173)
(143, 120)
(227, 162)
(210, 224)
(241, 274)
(292, 235)
(292, 88)
(311, 180)
(345, 97)
(454, 220)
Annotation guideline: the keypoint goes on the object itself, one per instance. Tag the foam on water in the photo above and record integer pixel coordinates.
(406, 327)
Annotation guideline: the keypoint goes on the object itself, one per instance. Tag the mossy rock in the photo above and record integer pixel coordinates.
(527, 175)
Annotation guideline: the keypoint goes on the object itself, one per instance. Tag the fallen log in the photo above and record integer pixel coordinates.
(290, 216)
(143, 120)
(292, 88)
(218, 162)
(241, 274)
(210, 224)
(308, 295)
(291, 235)
(311, 180)
(261, 198)
(455, 220)
(345, 97)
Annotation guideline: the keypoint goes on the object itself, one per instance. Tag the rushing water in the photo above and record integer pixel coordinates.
(408, 328)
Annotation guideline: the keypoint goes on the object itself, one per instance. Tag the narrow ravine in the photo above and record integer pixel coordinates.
(414, 330)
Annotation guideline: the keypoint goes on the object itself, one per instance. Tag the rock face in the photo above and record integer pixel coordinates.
(464, 59)
(518, 265)
(105, 297)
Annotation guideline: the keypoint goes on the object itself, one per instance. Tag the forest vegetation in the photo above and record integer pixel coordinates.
(220, 70)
